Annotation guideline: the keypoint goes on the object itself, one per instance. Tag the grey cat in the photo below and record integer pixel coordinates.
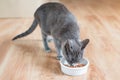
(56, 20)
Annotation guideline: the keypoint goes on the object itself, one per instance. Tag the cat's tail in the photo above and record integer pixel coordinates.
(30, 30)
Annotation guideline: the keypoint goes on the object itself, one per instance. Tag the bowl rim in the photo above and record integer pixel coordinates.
(76, 67)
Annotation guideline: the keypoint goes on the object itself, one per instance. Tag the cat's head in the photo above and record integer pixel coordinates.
(73, 50)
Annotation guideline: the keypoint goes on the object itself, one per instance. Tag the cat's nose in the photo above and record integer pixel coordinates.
(71, 64)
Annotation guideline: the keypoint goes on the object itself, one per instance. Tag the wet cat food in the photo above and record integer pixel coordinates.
(76, 66)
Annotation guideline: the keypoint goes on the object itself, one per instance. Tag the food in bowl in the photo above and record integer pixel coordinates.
(75, 66)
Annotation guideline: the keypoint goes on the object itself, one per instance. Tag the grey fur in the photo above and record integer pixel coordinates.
(56, 20)
(30, 30)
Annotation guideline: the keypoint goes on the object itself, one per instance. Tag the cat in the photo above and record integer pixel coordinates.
(56, 20)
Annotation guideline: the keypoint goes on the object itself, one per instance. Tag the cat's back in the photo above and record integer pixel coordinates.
(56, 19)
(53, 6)
(50, 9)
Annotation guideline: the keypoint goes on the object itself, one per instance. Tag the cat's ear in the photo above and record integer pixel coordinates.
(65, 46)
(68, 42)
(84, 43)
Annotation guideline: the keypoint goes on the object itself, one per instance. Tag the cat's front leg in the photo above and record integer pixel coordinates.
(58, 49)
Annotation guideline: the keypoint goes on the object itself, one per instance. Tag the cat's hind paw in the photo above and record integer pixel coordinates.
(48, 50)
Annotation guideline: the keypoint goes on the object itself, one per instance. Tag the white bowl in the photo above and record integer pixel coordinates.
(74, 71)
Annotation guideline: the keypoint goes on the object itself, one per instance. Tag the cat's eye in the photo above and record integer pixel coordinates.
(71, 48)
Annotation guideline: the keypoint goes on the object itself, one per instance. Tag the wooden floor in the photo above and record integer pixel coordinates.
(25, 59)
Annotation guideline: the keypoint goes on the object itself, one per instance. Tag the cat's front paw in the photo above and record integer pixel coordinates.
(49, 38)
(59, 57)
